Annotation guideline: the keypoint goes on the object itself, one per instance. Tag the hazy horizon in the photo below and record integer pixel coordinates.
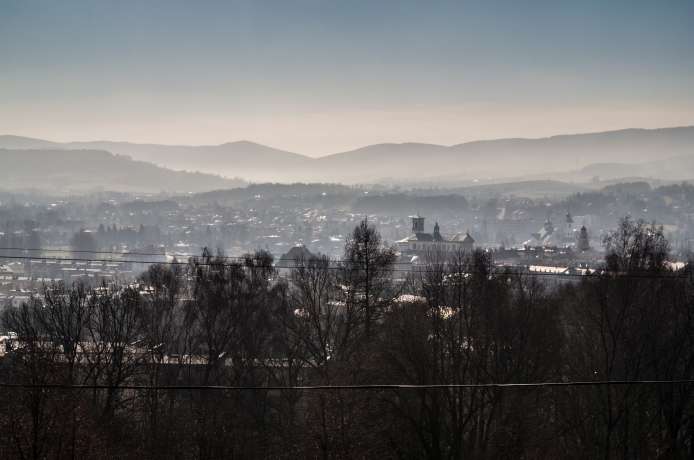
(163, 144)
(170, 291)
(320, 78)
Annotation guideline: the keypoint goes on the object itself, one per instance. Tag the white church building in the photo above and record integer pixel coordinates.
(420, 241)
(549, 235)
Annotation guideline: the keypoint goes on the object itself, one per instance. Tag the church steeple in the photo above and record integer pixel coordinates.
(569, 225)
(417, 223)
(436, 228)
(583, 239)
(548, 224)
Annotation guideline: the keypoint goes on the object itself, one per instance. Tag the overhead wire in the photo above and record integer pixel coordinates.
(346, 387)
(512, 270)
(122, 254)
(517, 270)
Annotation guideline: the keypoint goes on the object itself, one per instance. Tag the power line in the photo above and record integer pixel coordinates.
(514, 270)
(76, 250)
(84, 251)
(510, 270)
(348, 387)
(75, 259)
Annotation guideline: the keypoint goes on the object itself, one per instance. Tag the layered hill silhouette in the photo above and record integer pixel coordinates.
(73, 170)
(233, 159)
(519, 157)
(582, 154)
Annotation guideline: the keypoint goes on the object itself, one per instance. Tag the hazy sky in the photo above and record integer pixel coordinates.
(319, 77)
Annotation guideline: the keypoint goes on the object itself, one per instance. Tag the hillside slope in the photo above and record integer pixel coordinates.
(53, 170)
(233, 159)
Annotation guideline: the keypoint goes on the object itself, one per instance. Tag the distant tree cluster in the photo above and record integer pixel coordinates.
(459, 319)
(20, 240)
(112, 238)
(84, 245)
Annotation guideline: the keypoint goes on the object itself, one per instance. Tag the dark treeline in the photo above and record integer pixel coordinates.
(458, 320)
(272, 190)
(140, 205)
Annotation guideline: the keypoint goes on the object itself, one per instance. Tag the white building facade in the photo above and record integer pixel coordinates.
(437, 241)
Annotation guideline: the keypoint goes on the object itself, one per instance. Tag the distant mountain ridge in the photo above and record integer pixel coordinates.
(54, 170)
(241, 155)
(513, 157)
(509, 157)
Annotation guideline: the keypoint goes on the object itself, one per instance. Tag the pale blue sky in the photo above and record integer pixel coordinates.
(318, 77)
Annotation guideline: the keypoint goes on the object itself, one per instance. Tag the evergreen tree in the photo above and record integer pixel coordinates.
(83, 244)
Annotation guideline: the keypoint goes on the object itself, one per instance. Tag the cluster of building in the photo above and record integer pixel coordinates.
(554, 253)
(184, 231)
(549, 235)
(20, 280)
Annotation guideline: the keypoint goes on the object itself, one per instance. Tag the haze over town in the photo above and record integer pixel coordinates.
(346, 230)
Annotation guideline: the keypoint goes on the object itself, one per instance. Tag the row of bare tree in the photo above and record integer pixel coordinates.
(125, 371)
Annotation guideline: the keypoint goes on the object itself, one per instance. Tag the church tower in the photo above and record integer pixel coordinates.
(583, 239)
(417, 224)
(568, 227)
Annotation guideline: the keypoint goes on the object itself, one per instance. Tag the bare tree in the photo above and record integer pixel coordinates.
(326, 329)
(367, 272)
(114, 354)
(228, 316)
(165, 342)
(323, 322)
(42, 422)
(631, 322)
(469, 322)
